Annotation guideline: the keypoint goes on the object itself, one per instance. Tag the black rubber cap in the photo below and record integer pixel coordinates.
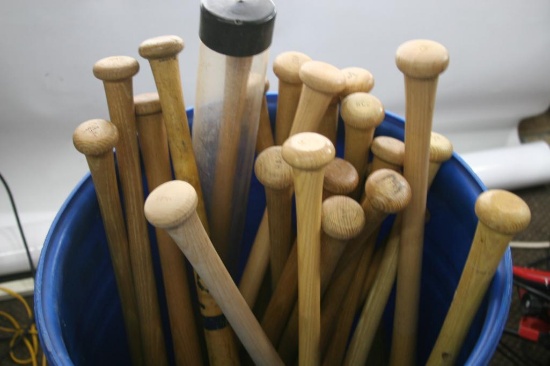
(237, 28)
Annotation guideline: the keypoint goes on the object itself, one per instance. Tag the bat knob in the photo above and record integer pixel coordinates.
(161, 47)
(502, 211)
(422, 59)
(341, 177)
(387, 191)
(308, 151)
(357, 80)
(116, 68)
(362, 111)
(147, 104)
(389, 149)
(342, 217)
(271, 170)
(286, 66)
(441, 148)
(171, 204)
(322, 77)
(95, 137)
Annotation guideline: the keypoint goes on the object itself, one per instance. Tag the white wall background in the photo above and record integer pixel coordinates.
(499, 70)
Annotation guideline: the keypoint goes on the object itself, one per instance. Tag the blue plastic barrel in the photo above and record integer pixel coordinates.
(78, 313)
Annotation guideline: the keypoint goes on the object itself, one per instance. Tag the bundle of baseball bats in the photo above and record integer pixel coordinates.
(304, 282)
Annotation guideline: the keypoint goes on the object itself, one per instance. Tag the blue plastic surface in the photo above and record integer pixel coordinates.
(78, 313)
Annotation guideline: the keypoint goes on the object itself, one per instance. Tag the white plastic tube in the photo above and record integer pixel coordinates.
(510, 168)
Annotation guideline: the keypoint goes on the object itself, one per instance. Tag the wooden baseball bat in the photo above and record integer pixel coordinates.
(282, 305)
(356, 80)
(387, 192)
(341, 178)
(361, 113)
(258, 257)
(156, 160)
(441, 150)
(336, 349)
(421, 61)
(342, 220)
(172, 206)
(265, 134)
(162, 54)
(286, 67)
(321, 82)
(276, 176)
(96, 139)
(116, 73)
(501, 215)
(308, 153)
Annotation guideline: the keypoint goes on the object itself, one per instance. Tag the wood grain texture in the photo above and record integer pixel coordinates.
(375, 303)
(341, 178)
(361, 113)
(342, 219)
(96, 139)
(116, 73)
(276, 176)
(156, 160)
(162, 53)
(321, 83)
(387, 192)
(501, 215)
(172, 206)
(308, 153)
(286, 67)
(421, 62)
(387, 153)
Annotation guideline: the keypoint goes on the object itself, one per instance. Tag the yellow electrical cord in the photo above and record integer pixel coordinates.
(28, 337)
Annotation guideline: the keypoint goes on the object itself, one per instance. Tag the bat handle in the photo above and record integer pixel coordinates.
(286, 67)
(172, 206)
(308, 153)
(391, 151)
(96, 139)
(421, 62)
(276, 176)
(501, 215)
(322, 82)
(362, 113)
(156, 162)
(116, 73)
